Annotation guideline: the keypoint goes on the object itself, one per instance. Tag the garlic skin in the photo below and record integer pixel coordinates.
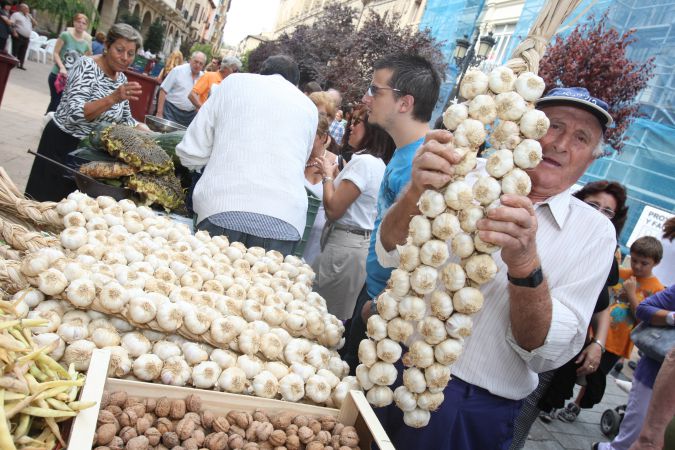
(120, 363)
(534, 124)
(501, 79)
(510, 106)
(265, 385)
(480, 268)
(53, 282)
(516, 182)
(73, 238)
(362, 377)
(454, 115)
(412, 308)
(459, 326)
(404, 399)
(474, 131)
(317, 389)
(399, 282)
(444, 227)
(483, 109)
(458, 195)
(78, 353)
(414, 381)
(233, 380)
(474, 83)
(421, 354)
(135, 344)
(430, 401)
(166, 349)
(434, 252)
(376, 327)
(419, 230)
(380, 396)
(399, 330)
(468, 300)
(530, 86)
(148, 367)
(291, 387)
(382, 373)
(499, 163)
(448, 351)
(105, 337)
(368, 352)
(417, 418)
(441, 305)
(462, 245)
(469, 217)
(388, 351)
(506, 135)
(431, 203)
(527, 154)
(432, 329)
(467, 164)
(81, 292)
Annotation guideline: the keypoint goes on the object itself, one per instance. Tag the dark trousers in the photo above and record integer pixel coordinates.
(356, 333)
(48, 182)
(55, 96)
(3, 43)
(470, 418)
(249, 240)
(19, 48)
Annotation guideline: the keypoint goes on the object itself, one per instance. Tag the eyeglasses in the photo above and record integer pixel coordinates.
(372, 90)
(608, 212)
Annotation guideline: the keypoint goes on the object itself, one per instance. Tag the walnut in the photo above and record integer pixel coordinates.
(277, 438)
(292, 429)
(117, 443)
(207, 418)
(305, 434)
(344, 447)
(102, 447)
(251, 435)
(164, 425)
(131, 401)
(265, 446)
(115, 410)
(337, 429)
(251, 446)
(315, 445)
(260, 416)
(327, 422)
(142, 425)
(128, 418)
(301, 421)
(105, 416)
(335, 441)
(118, 398)
(139, 409)
(236, 430)
(282, 421)
(349, 437)
(216, 441)
(128, 433)
(105, 400)
(178, 447)
(105, 433)
(220, 423)
(199, 436)
(170, 439)
(190, 444)
(324, 437)
(184, 428)
(160, 447)
(193, 403)
(293, 442)
(153, 435)
(264, 431)
(315, 425)
(241, 418)
(138, 443)
(177, 410)
(150, 417)
(235, 441)
(163, 407)
(328, 447)
(193, 416)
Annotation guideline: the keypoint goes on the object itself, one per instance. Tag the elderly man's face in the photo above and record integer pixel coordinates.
(197, 63)
(567, 149)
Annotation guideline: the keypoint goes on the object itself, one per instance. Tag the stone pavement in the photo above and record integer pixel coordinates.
(21, 115)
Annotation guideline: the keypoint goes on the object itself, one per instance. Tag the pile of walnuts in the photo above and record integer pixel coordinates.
(127, 423)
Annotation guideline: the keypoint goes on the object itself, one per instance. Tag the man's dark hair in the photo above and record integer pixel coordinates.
(416, 76)
(281, 65)
(311, 87)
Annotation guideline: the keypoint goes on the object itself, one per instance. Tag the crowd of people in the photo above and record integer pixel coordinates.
(560, 310)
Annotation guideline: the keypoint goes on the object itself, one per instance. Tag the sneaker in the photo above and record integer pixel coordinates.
(618, 367)
(632, 364)
(570, 413)
(547, 417)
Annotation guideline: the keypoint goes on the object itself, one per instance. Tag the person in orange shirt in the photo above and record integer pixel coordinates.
(635, 284)
(202, 88)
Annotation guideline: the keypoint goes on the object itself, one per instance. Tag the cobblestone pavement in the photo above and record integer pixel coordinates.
(21, 115)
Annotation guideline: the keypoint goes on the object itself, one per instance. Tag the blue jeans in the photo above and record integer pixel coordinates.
(249, 240)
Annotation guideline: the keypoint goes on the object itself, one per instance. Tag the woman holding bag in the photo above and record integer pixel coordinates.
(350, 202)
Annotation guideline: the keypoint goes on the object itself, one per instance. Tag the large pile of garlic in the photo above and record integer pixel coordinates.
(428, 303)
(183, 309)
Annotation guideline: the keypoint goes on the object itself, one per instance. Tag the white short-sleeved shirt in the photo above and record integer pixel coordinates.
(178, 85)
(366, 172)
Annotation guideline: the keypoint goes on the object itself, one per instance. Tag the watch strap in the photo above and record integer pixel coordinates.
(533, 280)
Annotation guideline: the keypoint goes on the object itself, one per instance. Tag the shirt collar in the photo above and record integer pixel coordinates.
(559, 205)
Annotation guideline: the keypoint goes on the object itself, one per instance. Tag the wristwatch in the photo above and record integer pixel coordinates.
(533, 280)
(597, 341)
(325, 180)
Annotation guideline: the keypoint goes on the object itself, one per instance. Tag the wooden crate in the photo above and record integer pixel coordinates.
(355, 409)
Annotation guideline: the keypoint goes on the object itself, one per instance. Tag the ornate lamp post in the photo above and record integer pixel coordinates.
(466, 56)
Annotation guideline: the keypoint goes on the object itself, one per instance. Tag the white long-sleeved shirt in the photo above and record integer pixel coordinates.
(253, 138)
(178, 84)
(575, 245)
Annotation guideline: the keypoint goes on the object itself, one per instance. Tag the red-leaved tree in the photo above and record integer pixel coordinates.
(594, 56)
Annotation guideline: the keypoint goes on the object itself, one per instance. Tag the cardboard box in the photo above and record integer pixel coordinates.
(355, 409)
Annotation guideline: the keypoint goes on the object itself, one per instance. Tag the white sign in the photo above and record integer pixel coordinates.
(650, 223)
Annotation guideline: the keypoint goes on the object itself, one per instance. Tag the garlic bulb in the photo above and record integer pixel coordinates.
(530, 86)
(474, 83)
(431, 203)
(249, 342)
(113, 297)
(278, 369)
(528, 153)
(441, 305)
(387, 306)
(486, 190)
(233, 380)
(501, 79)
(430, 401)
(142, 309)
(271, 346)
(380, 396)
(444, 227)
(81, 292)
(367, 352)
(468, 217)
(458, 195)
(78, 353)
(387, 350)
(399, 282)
(71, 332)
(136, 344)
(376, 327)
(148, 367)
(52, 282)
(205, 375)
(412, 308)
(474, 130)
(417, 418)
(419, 230)
(399, 330)
(483, 109)
(516, 182)
(292, 387)
(166, 349)
(105, 337)
(534, 124)
(510, 106)
(448, 351)
(480, 268)
(432, 329)
(409, 254)
(499, 163)
(30, 296)
(434, 252)
(483, 246)
(265, 385)
(45, 339)
(197, 320)
(169, 316)
(34, 264)
(414, 381)
(462, 245)
(459, 325)
(317, 389)
(382, 373)
(120, 363)
(454, 115)
(251, 365)
(423, 279)
(405, 400)
(73, 238)
(194, 353)
(506, 135)
(224, 358)
(467, 164)
(421, 354)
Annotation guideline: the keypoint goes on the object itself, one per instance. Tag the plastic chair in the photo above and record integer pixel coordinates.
(34, 35)
(34, 47)
(47, 52)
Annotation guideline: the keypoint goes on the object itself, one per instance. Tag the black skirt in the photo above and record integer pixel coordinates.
(47, 181)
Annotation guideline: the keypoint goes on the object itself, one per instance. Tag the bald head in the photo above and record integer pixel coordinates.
(24, 8)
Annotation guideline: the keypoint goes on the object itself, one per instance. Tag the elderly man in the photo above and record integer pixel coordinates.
(23, 27)
(173, 103)
(337, 128)
(204, 87)
(537, 309)
(253, 138)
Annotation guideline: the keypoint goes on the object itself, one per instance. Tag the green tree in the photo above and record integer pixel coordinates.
(130, 19)
(65, 10)
(207, 49)
(155, 38)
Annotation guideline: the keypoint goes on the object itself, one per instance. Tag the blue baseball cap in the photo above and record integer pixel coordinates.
(578, 96)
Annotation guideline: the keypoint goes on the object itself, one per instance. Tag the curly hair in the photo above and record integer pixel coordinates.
(669, 229)
(614, 189)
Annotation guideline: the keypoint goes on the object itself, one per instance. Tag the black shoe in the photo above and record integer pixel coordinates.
(595, 445)
(632, 365)
(21, 67)
(618, 367)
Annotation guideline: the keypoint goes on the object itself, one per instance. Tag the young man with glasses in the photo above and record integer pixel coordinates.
(400, 99)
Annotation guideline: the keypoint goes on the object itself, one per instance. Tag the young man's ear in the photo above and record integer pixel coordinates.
(406, 103)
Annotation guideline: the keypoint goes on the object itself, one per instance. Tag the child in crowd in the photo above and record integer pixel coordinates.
(635, 284)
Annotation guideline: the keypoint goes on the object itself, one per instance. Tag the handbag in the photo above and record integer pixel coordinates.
(60, 83)
(654, 342)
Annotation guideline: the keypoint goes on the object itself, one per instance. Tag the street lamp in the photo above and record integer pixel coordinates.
(466, 56)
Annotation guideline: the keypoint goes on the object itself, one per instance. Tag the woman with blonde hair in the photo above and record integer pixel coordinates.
(175, 59)
(71, 44)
